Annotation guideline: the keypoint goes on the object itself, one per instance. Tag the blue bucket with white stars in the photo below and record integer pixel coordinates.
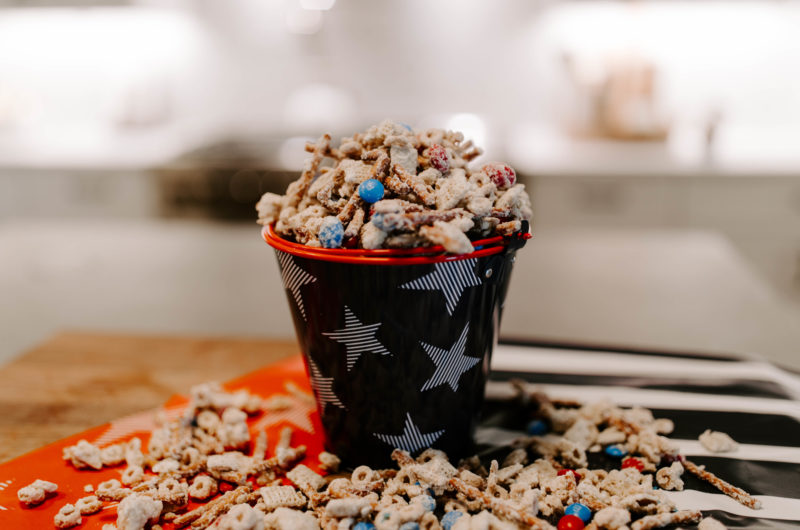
(397, 345)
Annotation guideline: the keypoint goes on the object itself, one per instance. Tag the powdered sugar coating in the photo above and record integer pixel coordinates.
(429, 169)
(67, 517)
(36, 492)
(718, 442)
(502, 175)
(438, 158)
(669, 478)
(136, 510)
(84, 455)
(709, 523)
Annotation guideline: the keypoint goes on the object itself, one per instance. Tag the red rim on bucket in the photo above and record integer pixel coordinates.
(392, 256)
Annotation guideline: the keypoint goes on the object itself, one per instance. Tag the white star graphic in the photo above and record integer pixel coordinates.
(139, 422)
(297, 414)
(323, 388)
(412, 439)
(294, 278)
(357, 338)
(450, 277)
(450, 364)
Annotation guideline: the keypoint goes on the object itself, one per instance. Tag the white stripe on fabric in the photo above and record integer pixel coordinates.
(496, 436)
(772, 507)
(769, 453)
(552, 360)
(654, 399)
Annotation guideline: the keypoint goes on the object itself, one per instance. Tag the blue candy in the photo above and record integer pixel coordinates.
(536, 427)
(371, 190)
(409, 526)
(450, 519)
(364, 526)
(379, 221)
(616, 451)
(579, 510)
(405, 126)
(331, 232)
(427, 501)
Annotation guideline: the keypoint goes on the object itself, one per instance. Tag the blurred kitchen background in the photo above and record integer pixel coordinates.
(660, 141)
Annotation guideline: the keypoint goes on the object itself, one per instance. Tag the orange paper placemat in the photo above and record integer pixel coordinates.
(46, 463)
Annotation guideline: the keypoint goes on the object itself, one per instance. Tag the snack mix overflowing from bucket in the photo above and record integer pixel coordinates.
(393, 187)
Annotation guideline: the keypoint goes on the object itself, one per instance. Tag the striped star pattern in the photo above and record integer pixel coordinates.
(450, 364)
(450, 277)
(323, 387)
(294, 278)
(134, 423)
(357, 338)
(298, 414)
(412, 439)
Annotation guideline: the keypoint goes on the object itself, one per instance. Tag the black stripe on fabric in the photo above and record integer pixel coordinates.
(748, 428)
(740, 521)
(607, 348)
(744, 427)
(505, 415)
(756, 477)
(731, 387)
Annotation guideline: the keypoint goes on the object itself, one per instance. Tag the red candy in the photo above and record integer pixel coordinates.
(438, 157)
(502, 175)
(574, 473)
(570, 522)
(633, 462)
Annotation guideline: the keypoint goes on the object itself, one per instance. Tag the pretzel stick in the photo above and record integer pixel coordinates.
(198, 512)
(298, 188)
(665, 519)
(211, 507)
(355, 224)
(325, 195)
(727, 488)
(422, 190)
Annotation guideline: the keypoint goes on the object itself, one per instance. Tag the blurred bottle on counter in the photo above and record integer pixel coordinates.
(622, 102)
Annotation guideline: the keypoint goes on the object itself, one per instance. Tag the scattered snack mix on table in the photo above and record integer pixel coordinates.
(543, 481)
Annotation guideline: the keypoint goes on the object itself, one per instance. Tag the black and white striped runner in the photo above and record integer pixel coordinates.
(755, 402)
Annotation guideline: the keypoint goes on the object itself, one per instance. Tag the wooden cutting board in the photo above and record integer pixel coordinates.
(77, 380)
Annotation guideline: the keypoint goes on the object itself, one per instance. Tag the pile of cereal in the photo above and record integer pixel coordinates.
(393, 187)
(541, 480)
